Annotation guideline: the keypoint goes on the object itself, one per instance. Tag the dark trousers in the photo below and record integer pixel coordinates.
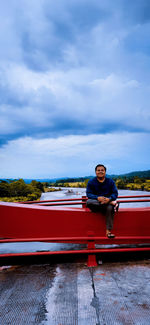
(106, 209)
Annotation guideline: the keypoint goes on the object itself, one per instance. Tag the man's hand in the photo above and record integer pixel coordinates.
(103, 199)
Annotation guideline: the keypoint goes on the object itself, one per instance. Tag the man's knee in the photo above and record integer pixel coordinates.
(91, 202)
(93, 205)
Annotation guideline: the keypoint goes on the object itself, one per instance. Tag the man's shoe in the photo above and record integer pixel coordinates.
(110, 235)
(115, 205)
(116, 208)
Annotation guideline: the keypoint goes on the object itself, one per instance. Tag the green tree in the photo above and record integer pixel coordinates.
(17, 188)
(38, 185)
(120, 183)
(4, 189)
(137, 180)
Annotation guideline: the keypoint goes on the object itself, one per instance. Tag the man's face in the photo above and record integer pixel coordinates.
(100, 172)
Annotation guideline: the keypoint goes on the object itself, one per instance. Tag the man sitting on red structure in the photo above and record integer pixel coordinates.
(102, 194)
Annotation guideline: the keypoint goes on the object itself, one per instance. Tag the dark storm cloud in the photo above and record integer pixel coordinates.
(74, 86)
(74, 67)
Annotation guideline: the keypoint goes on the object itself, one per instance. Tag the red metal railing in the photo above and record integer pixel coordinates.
(35, 221)
(82, 200)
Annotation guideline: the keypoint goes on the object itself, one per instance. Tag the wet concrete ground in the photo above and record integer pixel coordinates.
(72, 294)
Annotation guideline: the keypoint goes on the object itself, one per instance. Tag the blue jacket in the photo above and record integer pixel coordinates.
(107, 189)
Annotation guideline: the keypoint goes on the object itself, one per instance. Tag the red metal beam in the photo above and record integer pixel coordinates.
(133, 201)
(136, 196)
(20, 222)
(83, 251)
(83, 199)
(59, 200)
(24, 221)
(101, 240)
(61, 203)
(67, 202)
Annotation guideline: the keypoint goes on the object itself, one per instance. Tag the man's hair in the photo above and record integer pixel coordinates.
(100, 165)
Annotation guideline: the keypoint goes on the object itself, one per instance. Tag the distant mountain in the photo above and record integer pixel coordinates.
(141, 174)
(144, 173)
(29, 180)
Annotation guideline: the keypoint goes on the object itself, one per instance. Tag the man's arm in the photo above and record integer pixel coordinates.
(89, 192)
(114, 192)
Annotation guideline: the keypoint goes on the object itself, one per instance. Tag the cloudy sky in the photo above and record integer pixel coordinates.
(74, 87)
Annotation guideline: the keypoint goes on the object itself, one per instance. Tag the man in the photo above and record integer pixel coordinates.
(102, 194)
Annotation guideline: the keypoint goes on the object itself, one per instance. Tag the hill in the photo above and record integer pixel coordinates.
(141, 174)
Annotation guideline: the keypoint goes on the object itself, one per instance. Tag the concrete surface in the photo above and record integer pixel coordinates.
(71, 294)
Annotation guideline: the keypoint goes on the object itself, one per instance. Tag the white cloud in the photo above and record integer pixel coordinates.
(74, 95)
(74, 155)
(73, 68)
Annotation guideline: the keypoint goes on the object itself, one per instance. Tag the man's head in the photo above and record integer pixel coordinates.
(100, 165)
(100, 171)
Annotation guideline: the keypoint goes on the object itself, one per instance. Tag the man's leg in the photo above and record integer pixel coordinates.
(109, 213)
(93, 205)
(109, 217)
(107, 210)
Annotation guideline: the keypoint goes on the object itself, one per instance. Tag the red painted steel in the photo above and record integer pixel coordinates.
(83, 240)
(25, 222)
(60, 200)
(83, 251)
(81, 202)
(132, 201)
(67, 202)
(60, 203)
(84, 198)
(137, 196)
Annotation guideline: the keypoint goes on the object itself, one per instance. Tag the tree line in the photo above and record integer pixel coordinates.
(133, 183)
(130, 183)
(18, 190)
